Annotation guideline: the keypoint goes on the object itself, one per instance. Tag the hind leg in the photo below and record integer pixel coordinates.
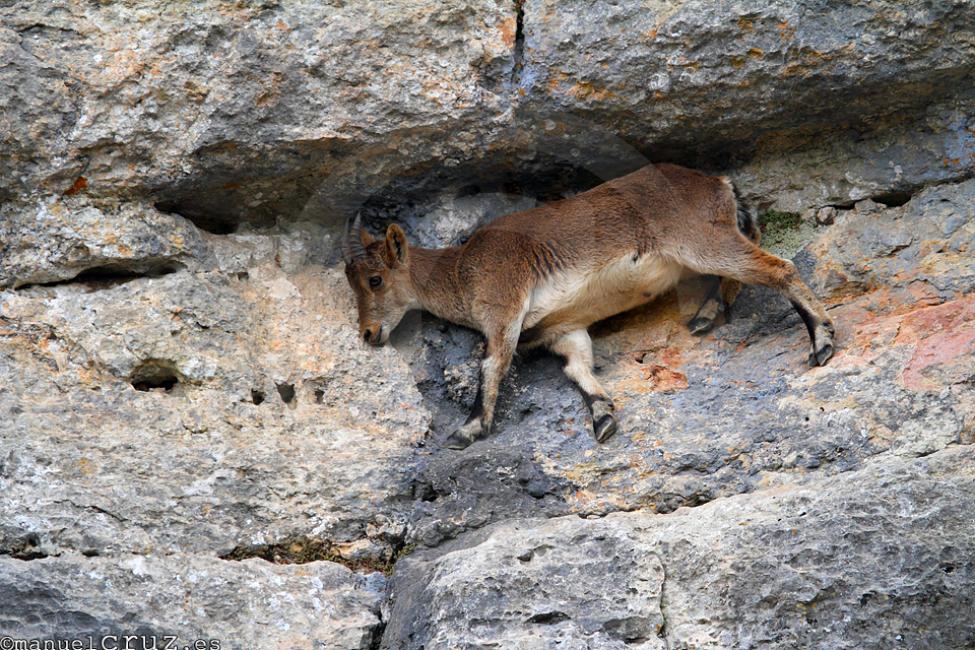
(576, 347)
(722, 291)
(719, 296)
(738, 259)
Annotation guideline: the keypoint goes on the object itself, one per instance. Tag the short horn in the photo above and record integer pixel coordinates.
(352, 247)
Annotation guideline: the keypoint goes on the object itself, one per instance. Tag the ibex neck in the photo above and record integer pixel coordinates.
(436, 285)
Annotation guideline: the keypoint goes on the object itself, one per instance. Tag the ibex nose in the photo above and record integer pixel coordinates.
(373, 334)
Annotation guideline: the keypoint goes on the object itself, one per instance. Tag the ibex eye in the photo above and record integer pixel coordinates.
(375, 281)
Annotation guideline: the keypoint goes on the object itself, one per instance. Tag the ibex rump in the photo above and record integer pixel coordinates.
(542, 276)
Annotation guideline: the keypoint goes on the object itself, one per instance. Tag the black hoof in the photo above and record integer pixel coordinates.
(465, 435)
(821, 356)
(700, 325)
(458, 440)
(604, 428)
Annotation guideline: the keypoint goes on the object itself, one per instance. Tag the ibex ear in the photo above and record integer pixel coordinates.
(365, 237)
(397, 249)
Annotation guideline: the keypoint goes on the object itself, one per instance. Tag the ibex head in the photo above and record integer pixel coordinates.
(378, 272)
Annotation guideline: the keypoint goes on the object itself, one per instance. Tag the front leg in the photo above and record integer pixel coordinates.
(497, 360)
(472, 429)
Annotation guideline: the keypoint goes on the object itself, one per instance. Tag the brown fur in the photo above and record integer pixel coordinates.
(542, 276)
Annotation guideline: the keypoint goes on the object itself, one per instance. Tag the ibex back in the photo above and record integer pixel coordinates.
(542, 276)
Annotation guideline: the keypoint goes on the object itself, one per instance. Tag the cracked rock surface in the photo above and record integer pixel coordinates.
(225, 415)
(227, 112)
(194, 441)
(826, 564)
(250, 604)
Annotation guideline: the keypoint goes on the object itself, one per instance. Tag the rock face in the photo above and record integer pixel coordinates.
(197, 443)
(221, 400)
(823, 564)
(739, 411)
(114, 240)
(228, 112)
(180, 599)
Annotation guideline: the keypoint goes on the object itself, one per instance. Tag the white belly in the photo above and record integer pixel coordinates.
(586, 296)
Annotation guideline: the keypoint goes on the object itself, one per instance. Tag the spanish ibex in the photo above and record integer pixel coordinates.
(541, 277)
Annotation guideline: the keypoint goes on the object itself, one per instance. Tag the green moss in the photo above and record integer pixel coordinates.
(402, 552)
(784, 233)
(775, 220)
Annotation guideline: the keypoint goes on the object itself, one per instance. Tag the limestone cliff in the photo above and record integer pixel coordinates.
(195, 442)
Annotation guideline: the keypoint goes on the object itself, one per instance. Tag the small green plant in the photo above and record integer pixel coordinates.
(776, 220)
(781, 231)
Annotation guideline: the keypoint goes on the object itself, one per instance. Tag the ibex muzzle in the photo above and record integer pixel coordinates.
(543, 276)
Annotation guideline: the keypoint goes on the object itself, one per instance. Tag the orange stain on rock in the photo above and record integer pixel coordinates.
(947, 317)
(653, 31)
(556, 80)
(80, 184)
(509, 30)
(588, 90)
(671, 356)
(942, 335)
(662, 379)
(872, 323)
(85, 467)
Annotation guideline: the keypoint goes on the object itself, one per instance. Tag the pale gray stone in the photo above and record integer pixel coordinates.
(228, 113)
(57, 239)
(182, 378)
(878, 558)
(179, 599)
(826, 216)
